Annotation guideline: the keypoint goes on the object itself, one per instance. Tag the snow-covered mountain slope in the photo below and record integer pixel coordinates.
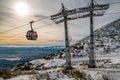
(107, 40)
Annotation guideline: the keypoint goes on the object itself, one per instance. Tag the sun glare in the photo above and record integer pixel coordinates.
(21, 8)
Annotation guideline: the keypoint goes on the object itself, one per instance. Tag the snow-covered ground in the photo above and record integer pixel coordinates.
(109, 68)
(106, 60)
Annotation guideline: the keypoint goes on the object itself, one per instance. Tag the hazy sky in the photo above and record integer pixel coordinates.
(15, 13)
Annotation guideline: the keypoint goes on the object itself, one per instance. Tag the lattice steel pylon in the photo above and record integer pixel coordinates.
(90, 11)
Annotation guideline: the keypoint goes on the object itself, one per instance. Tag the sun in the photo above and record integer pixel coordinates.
(21, 8)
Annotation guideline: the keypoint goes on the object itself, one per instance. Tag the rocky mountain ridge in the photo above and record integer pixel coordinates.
(107, 39)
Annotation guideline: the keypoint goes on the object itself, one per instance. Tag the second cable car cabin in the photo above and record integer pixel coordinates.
(31, 34)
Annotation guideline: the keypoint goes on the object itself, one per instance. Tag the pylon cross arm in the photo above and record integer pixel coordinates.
(78, 13)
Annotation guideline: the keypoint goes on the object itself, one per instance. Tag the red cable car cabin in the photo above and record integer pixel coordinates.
(31, 35)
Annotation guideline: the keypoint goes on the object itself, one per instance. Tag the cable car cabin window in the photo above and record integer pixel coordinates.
(31, 35)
